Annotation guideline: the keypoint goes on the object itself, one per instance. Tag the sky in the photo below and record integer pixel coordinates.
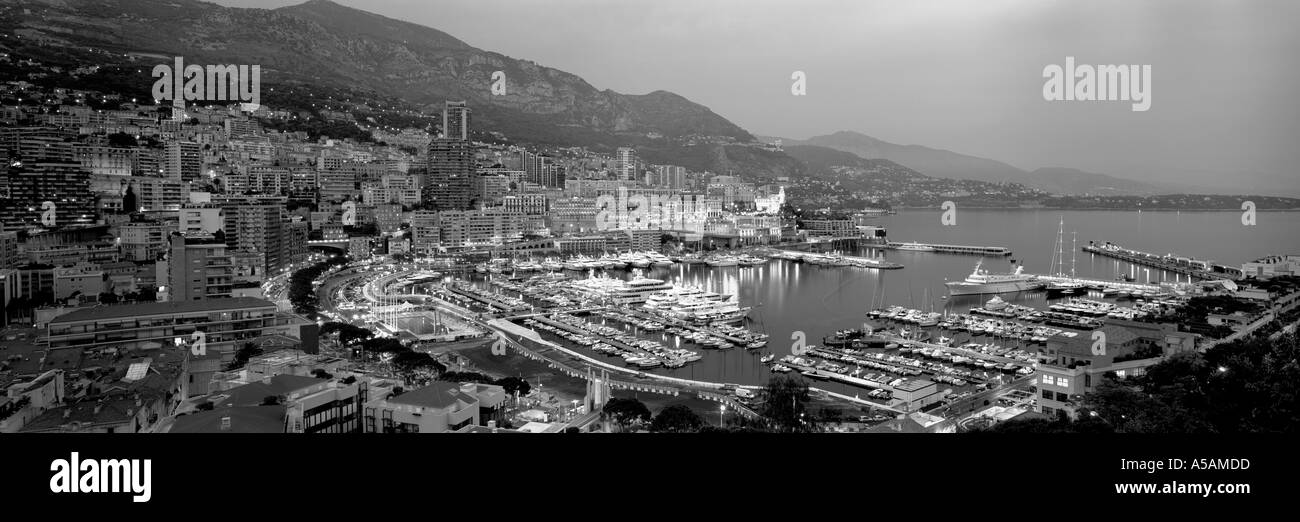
(966, 76)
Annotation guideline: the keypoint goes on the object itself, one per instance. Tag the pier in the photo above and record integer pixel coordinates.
(955, 249)
(1178, 265)
(681, 324)
(827, 259)
(1100, 284)
(493, 303)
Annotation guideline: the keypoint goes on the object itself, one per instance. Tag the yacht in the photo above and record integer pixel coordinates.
(914, 246)
(995, 304)
(637, 290)
(705, 310)
(723, 260)
(980, 281)
(657, 259)
(578, 263)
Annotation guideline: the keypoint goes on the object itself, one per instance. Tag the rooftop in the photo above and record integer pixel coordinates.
(161, 308)
(912, 385)
(251, 394)
(437, 395)
(243, 419)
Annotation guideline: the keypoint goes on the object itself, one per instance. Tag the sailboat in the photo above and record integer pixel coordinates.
(1070, 286)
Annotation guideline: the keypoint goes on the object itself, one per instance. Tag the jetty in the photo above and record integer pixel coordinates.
(1169, 263)
(952, 249)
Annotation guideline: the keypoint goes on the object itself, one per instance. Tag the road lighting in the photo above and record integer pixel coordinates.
(722, 413)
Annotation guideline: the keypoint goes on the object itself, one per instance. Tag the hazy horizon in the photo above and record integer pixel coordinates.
(961, 76)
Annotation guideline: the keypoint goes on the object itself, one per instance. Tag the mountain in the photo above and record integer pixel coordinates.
(947, 164)
(321, 42)
(1063, 180)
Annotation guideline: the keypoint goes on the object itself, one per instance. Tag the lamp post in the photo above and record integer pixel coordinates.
(722, 413)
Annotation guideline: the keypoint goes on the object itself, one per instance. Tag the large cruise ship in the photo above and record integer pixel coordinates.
(982, 282)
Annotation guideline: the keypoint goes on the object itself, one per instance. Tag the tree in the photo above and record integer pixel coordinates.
(245, 352)
(121, 139)
(271, 400)
(785, 401)
(349, 334)
(465, 377)
(320, 373)
(626, 411)
(514, 385)
(108, 298)
(676, 419)
(130, 203)
(377, 345)
(410, 361)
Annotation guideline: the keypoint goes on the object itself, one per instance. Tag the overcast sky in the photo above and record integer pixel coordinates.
(959, 75)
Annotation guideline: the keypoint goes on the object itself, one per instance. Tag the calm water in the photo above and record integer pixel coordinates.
(788, 297)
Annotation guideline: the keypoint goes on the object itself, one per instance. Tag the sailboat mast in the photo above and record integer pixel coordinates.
(1074, 249)
(1060, 246)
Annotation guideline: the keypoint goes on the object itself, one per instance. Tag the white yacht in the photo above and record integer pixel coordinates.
(703, 309)
(723, 261)
(916, 247)
(981, 281)
(619, 291)
(995, 304)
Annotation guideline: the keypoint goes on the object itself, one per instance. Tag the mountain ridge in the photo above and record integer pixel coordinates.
(954, 165)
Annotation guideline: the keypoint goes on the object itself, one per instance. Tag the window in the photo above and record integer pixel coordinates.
(1061, 397)
(1048, 379)
(1047, 394)
(1063, 382)
(1049, 411)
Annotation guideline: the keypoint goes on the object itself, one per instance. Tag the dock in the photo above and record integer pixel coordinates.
(955, 249)
(493, 303)
(1178, 265)
(1098, 284)
(861, 262)
(669, 321)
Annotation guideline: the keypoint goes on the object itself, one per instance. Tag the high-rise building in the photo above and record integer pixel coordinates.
(451, 174)
(65, 184)
(455, 121)
(425, 235)
(626, 163)
(142, 240)
(259, 228)
(198, 268)
(160, 193)
(184, 161)
(201, 218)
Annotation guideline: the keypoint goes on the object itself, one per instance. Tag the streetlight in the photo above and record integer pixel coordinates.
(722, 412)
